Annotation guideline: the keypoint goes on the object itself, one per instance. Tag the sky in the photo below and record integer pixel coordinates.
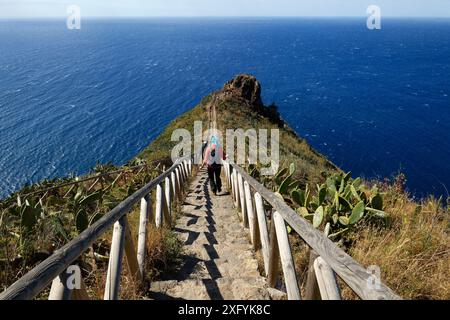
(211, 8)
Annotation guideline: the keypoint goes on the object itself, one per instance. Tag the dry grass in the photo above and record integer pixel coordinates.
(413, 250)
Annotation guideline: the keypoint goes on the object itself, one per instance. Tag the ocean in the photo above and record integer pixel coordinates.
(375, 102)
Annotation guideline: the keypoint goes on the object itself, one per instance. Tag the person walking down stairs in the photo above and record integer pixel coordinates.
(213, 157)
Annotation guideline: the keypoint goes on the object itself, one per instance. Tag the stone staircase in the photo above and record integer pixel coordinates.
(218, 261)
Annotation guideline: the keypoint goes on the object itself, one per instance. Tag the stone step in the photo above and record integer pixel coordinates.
(251, 288)
(242, 264)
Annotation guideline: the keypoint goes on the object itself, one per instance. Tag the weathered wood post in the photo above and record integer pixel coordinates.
(180, 177)
(80, 294)
(168, 198)
(183, 175)
(178, 173)
(159, 206)
(235, 194)
(186, 167)
(131, 255)
(242, 201)
(232, 188)
(145, 215)
(251, 215)
(238, 196)
(229, 173)
(59, 289)
(189, 164)
(179, 190)
(226, 166)
(274, 256)
(115, 261)
(287, 262)
(326, 278)
(312, 288)
(225, 172)
(183, 169)
(174, 185)
(262, 223)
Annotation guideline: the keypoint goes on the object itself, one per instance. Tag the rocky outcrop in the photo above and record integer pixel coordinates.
(245, 90)
(246, 87)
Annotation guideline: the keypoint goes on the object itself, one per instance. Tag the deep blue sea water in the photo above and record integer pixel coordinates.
(374, 102)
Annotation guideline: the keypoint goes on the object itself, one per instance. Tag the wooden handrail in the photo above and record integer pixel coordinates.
(35, 281)
(332, 258)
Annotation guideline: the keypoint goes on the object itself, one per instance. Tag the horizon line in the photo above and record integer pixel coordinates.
(222, 17)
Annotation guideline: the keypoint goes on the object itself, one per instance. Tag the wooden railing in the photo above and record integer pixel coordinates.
(326, 259)
(169, 185)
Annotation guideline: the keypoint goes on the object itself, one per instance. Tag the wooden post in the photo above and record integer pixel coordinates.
(145, 214)
(312, 288)
(174, 185)
(130, 254)
(238, 197)
(326, 278)
(226, 165)
(274, 257)
(59, 289)
(250, 214)
(166, 219)
(115, 261)
(183, 173)
(225, 172)
(180, 177)
(242, 201)
(179, 191)
(186, 166)
(168, 198)
(159, 206)
(178, 169)
(229, 174)
(287, 262)
(80, 294)
(234, 188)
(239, 194)
(232, 185)
(262, 223)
